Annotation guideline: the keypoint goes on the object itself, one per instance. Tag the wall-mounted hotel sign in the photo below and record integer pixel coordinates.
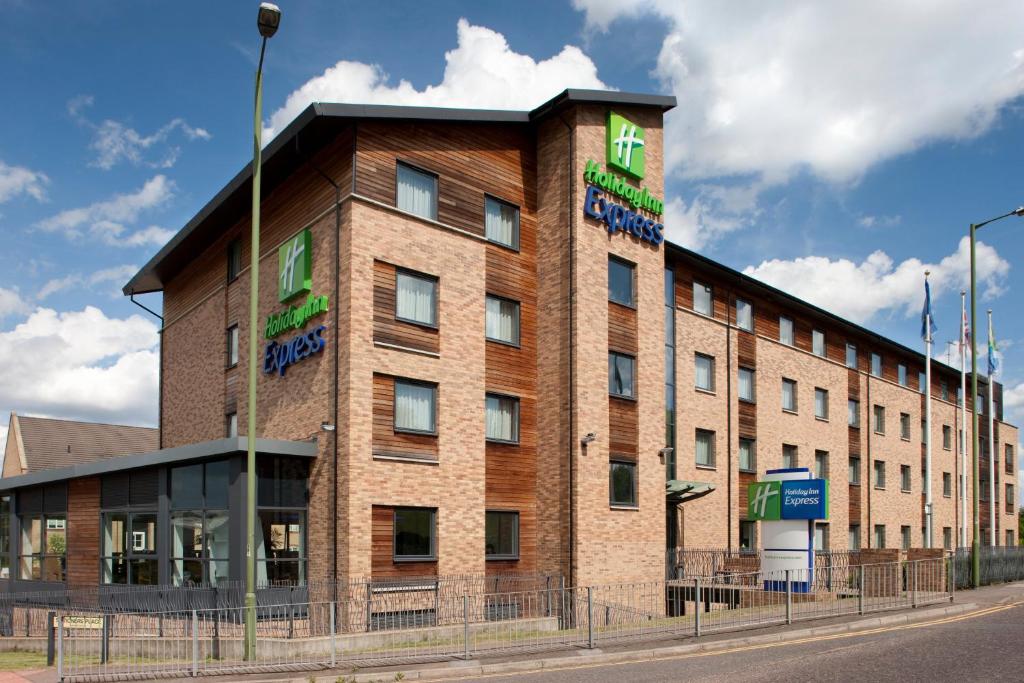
(295, 277)
(625, 153)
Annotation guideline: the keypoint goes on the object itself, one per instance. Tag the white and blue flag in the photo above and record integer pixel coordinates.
(928, 327)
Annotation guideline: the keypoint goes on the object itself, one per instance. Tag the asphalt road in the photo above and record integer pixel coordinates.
(970, 647)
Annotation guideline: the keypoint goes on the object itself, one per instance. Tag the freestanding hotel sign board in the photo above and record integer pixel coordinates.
(787, 502)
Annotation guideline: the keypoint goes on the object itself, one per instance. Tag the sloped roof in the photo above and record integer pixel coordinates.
(51, 444)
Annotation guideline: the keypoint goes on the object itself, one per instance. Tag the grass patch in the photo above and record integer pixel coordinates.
(17, 661)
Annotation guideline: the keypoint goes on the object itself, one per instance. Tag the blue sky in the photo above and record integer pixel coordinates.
(835, 150)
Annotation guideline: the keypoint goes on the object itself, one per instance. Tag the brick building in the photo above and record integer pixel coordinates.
(480, 357)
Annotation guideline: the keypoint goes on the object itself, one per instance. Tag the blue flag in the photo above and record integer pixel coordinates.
(992, 348)
(926, 313)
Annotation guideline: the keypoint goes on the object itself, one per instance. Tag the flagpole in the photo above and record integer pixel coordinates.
(963, 418)
(928, 418)
(991, 438)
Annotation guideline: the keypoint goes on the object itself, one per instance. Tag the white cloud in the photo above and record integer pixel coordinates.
(11, 303)
(481, 71)
(84, 365)
(114, 142)
(106, 220)
(858, 291)
(879, 221)
(1013, 403)
(117, 275)
(715, 211)
(18, 180)
(3, 440)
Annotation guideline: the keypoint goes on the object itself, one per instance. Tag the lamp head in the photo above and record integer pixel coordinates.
(268, 19)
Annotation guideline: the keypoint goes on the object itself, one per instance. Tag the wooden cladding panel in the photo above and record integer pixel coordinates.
(386, 441)
(853, 384)
(388, 330)
(747, 420)
(510, 484)
(382, 564)
(622, 329)
(623, 427)
(83, 532)
(746, 349)
(854, 505)
(853, 437)
(803, 333)
(745, 480)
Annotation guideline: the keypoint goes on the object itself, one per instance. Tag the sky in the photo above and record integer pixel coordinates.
(834, 150)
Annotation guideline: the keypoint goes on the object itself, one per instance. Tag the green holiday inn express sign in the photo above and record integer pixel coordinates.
(625, 146)
(295, 277)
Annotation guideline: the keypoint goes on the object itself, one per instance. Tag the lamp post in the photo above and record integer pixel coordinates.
(975, 559)
(267, 20)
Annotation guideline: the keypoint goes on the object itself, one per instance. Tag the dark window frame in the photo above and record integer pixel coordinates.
(399, 163)
(394, 405)
(515, 237)
(518, 417)
(409, 272)
(634, 503)
(632, 281)
(519, 321)
(232, 345)
(234, 259)
(497, 557)
(395, 557)
(632, 376)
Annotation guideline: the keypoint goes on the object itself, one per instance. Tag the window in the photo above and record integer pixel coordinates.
(43, 547)
(501, 222)
(233, 346)
(1009, 538)
(704, 448)
(701, 298)
(1008, 460)
(854, 470)
(502, 320)
(851, 356)
(879, 420)
(415, 407)
(199, 524)
(944, 388)
(821, 464)
(231, 426)
(748, 535)
(879, 535)
(501, 535)
(921, 381)
(820, 536)
(748, 455)
(748, 386)
(502, 418)
(1010, 500)
(416, 298)
(5, 537)
(789, 395)
(818, 343)
(947, 538)
(415, 534)
(876, 365)
(924, 431)
(905, 426)
(853, 537)
(620, 375)
(622, 483)
(905, 537)
(947, 437)
(417, 192)
(959, 397)
(947, 485)
(129, 548)
(879, 474)
(234, 259)
(744, 315)
(704, 372)
(281, 516)
(905, 478)
(853, 413)
(789, 457)
(979, 403)
(621, 282)
(786, 331)
(821, 404)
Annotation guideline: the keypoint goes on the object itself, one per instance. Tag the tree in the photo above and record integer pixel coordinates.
(1020, 526)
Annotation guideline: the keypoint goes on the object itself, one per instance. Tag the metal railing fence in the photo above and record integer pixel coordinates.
(997, 564)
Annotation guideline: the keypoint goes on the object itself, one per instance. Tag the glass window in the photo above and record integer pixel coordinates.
(747, 386)
(199, 524)
(281, 482)
(818, 343)
(789, 395)
(744, 315)
(748, 455)
(853, 413)
(187, 487)
(879, 474)
(905, 426)
(979, 403)
(233, 346)
(947, 484)
(905, 483)
(231, 420)
(43, 547)
(502, 320)
(704, 372)
(415, 407)
(944, 390)
(1008, 463)
(876, 365)
(621, 375)
(947, 437)
(854, 470)
(701, 298)
(879, 419)
(621, 282)
(880, 536)
(821, 403)
(5, 537)
(947, 537)
(502, 418)
(905, 537)
(501, 221)
(851, 356)
(128, 548)
(789, 457)
(416, 298)
(501, 535)
(786, 331)
(415, 534)
(622, 483)
(1011, 502)
(821, 464)
(921, 381)
(234, 259)
(417, 192)
(820, 536)
(748, 535)
(853, 537)
(901, 373)
(281, 548)
(704, 448)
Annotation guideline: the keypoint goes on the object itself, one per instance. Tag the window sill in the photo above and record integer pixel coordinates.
(627, 508)
(854, 483)
(414, 432)
(879, 488)
(501, 558)
(427, 326)
(853, 426)
(906, 491)
(631, 307)
(513, 248)
(821, 419)
(907, 438)
(790, 412)
(947, 495)
(501, 442)
(750, 401)
(709, 392)
(747, 471)
(406, 458)
(623, 398)
(514, 345)
(404, 560)
(879, 433)
(231, 367)
(711, 468)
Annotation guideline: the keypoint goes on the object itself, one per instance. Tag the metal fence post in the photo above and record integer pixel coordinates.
(860, 592)
(195, 643)
(60, 648)
(465, 626)
(590, 617)
(51, 645)
(913, 584)
(561, 599)
(105, 640)
(334, 641)
(696, 607)
(789, 599)
(952, 577)
(547, 594)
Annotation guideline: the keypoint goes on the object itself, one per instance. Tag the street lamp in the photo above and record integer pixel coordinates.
(267, 20)
(975, 549)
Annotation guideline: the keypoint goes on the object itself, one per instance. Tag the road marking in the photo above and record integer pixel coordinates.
(761, 646)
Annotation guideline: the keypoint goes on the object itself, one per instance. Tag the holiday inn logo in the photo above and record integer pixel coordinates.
(295, 266)
(764, 500)
(625, 145)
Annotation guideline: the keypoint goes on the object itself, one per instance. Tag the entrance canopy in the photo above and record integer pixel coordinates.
(679, 491)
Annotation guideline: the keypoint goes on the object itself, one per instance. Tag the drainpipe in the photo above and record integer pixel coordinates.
(869, 466)
(160, 373)
(572, 345)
